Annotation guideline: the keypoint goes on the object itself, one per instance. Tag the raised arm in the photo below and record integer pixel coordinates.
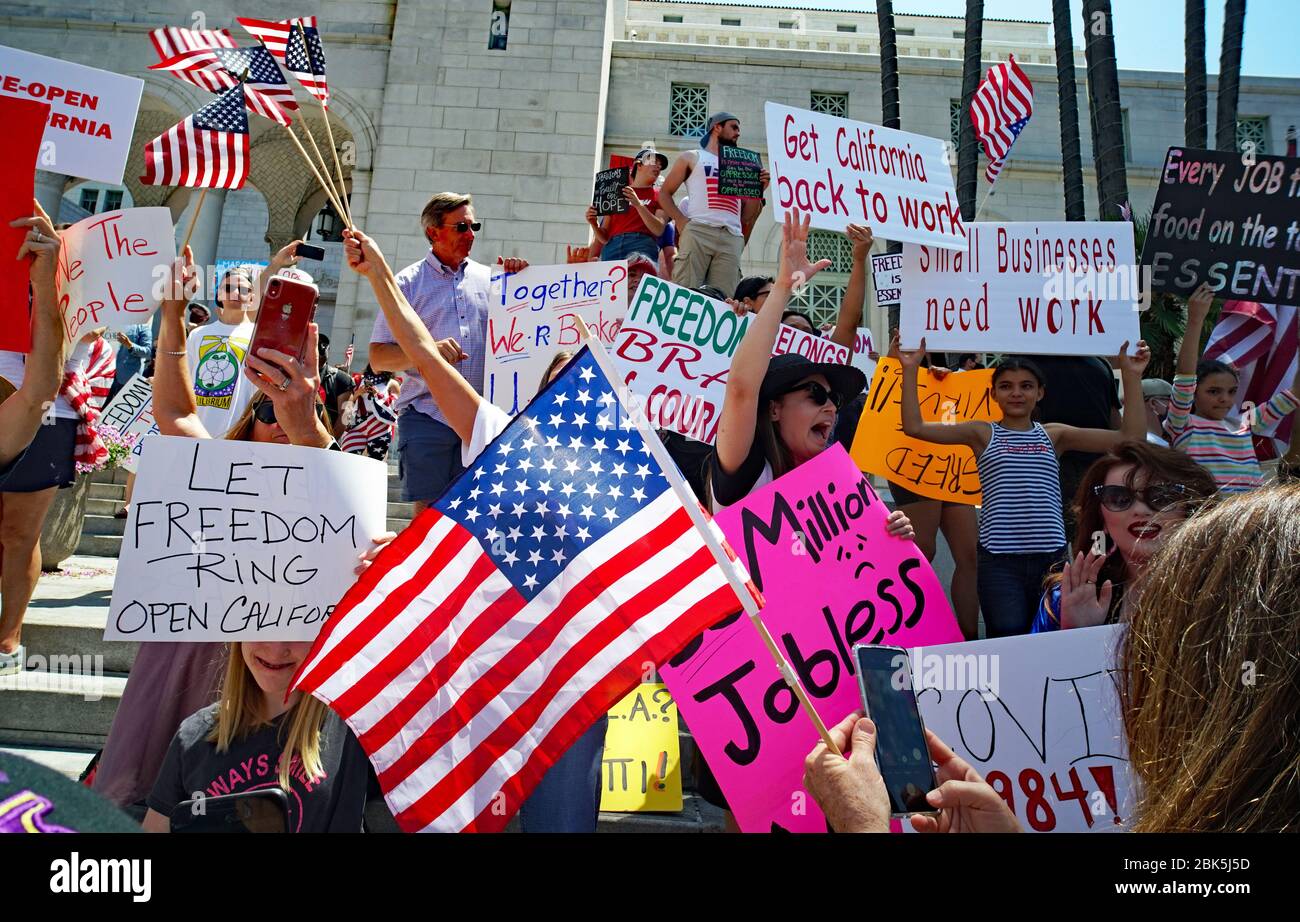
(654, 220)
(1133, 427)
(1198, 308)
(974, 435)
(855, 295)
(749, 364)
(458, 401)
(173, 389)
(21, 414)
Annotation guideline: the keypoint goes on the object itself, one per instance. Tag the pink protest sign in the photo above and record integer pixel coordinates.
(814, 542)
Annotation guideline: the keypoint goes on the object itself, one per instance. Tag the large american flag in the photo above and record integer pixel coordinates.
(171, 41)
(209, 149)
(999, 110)
(284, 39)
(518, 609)
(1260, 341)
(267, 92)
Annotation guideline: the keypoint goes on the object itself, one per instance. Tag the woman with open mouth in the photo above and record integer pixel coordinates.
(1128, 504)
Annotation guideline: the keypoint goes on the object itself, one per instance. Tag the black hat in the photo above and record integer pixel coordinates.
(40, 799)
(663, 160)
(785, 371)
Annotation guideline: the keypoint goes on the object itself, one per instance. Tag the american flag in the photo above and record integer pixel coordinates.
(1000, 109)
(379, 420)
(284, 39)
(717, 201)
(1260, 341)
(267, 92)
(209, 149)
(518, 609)
(171, 41)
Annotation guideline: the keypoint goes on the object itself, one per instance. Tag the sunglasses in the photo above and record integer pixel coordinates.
(264, 410)
(1160, 496)
(818, 394)
(462, 226)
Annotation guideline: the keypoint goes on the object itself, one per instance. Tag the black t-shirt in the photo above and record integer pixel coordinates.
(335, 802)
(729, 489)
(336, 382)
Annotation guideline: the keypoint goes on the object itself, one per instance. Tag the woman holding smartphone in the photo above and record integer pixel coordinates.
(170, 681)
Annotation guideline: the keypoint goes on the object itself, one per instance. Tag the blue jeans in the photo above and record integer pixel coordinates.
(1010, 586)
(568, 797)
(624, 245)
(428, 456)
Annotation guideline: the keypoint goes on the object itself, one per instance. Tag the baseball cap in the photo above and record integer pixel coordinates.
(1156, 387)
(717, 118)
(663, 160)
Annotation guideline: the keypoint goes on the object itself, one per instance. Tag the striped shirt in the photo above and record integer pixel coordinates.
(1221, 446)
(707, 206)
(1022, 493)
(451, 303)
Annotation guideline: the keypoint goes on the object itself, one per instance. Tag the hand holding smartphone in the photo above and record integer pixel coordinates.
(902, 755)
(282, 321)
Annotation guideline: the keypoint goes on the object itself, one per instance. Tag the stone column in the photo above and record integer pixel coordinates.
(49, 191)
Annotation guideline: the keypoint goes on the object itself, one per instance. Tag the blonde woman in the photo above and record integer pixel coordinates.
(254, 737)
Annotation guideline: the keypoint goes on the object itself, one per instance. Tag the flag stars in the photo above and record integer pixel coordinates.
(610, 514)
(472, 514)
(584, 397)
(475, 494)
(525, 463)
(602, 421)
(571, 467)
(586, 374)
(582, 534)
(561, 398)
(595, 467)
(500, 469)
(599, 445)
(530, 581)
(518, 510)
(548, 465)
(539, 532)
(534, 557)
(618, 470)
(615, 492)
(562, 532)
(587, 513)
(557, 420)
(497, 488)
(558, 557)
(563, 512)
(521, 487)
(576, 443)
(567, 489)
(514, 534)
(494, 510)
(544, 487)
(642, 471)
(510, 557)
(579, 420)
(591, 490)
(455, 503)
(638, 494)
(624, 446)
(542, 509)
(552, 442)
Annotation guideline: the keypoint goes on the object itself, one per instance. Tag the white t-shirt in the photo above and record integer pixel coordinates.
(215, 353)
(489, 422)
(13, 366)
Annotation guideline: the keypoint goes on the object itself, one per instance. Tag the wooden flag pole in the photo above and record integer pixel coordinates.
(329, 190)
(329, 133)
(339, 192)
(194, 218)
(706, 530)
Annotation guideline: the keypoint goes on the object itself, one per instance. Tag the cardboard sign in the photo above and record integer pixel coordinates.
(608, 198)
(131, 412)
(814, 542)
(533, 315)
(887, 275)
(1038, 716)
(242, 540)
(1229, 219)
(91, 117)
(844, 172)
(1057, 288)
(738, 172)
(113, 269)
(642, 765)
(927, 469)
(24, 122)
(674, 350)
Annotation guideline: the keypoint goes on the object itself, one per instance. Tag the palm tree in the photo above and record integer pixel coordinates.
(1225, 116)
(968, 155)
(890, 114)
(1107, 117)
(1068, 95)
(1195, 98)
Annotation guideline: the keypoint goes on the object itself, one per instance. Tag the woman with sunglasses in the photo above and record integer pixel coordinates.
(1128, 504)
(1021, 528)
(171, 681)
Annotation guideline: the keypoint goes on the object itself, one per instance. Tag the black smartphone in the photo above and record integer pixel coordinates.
(260, 810)
(309, 251)
(885, 679)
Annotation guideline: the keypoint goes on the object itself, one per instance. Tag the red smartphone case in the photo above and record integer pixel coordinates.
(287, 309)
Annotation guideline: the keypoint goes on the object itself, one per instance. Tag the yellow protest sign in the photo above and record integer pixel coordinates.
(930, 470)
(642, 768)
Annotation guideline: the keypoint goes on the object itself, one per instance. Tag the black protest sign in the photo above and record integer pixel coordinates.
(738, 171)
(1230, 219)
(608, 197)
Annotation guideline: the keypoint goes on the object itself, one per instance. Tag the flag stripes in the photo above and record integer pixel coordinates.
(999, 111)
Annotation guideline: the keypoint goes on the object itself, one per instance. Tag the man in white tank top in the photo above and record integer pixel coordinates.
(712, 238)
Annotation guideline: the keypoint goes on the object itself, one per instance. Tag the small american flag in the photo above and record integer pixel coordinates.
(378, 422)
(347, 355)
(87, 392)
(171, 41)
(284, 39)
(518, 609)
(209, 149)
(266, 91)
(1000, 109)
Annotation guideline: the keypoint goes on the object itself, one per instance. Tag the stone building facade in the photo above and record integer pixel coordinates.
(419, 104)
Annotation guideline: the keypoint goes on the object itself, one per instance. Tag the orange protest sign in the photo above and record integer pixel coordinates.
(935, 471)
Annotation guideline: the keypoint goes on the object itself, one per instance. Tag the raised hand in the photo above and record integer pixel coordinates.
(1135, 363)
(1198, 305)
(41, 245)
(1083, 603)
(909, 358)
(795, 267)
(360, 251)
(860, 236)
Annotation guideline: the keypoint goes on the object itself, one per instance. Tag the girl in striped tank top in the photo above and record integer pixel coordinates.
(1021, 533)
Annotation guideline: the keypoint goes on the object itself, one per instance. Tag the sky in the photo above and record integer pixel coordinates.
(1271, 48)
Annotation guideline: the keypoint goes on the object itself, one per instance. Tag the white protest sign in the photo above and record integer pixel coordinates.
(242, 540)
(844, 172)
(1057, 288)
(887, 274)
(863, 346)
(1038, 716)
(674, 350)
(131, 412)
(533, 315)
(113, 269)
(92, 112)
